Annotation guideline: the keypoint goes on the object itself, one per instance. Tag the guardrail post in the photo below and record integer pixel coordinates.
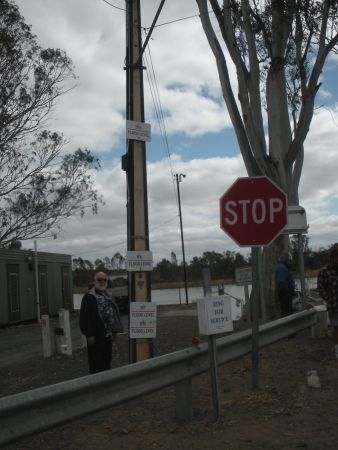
(184, 400)
(319, 330)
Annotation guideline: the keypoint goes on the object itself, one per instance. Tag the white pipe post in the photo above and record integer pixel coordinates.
(36, 273)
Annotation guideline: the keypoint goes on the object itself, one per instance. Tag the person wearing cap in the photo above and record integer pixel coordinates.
(285, 285)
(327, 285)
(100, 322)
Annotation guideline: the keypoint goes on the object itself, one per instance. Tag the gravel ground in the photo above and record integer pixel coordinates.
(284, 413)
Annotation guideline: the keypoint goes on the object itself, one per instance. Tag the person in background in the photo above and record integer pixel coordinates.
(327, 285)
(285, 285)
(99, 322)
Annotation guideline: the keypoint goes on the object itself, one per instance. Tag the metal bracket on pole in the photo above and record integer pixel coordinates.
(149, 33)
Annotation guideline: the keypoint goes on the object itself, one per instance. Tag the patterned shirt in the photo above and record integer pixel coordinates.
(327, 284)
(106, 310)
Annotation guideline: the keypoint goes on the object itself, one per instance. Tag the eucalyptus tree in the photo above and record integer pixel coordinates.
(118, 261)
(278, 48)
(40, 185)
(99, 265)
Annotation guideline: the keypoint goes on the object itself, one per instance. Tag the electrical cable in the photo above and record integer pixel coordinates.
(113, 6)
(175, 20)
(160, 24)
(152, 80)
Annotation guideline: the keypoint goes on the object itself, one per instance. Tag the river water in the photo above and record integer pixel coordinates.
(177, 296)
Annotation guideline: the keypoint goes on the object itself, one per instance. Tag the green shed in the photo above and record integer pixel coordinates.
(32, 283)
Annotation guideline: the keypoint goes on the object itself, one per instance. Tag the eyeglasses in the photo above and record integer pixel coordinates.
(102, 279)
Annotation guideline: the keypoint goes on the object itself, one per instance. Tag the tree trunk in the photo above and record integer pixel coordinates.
(270, 256)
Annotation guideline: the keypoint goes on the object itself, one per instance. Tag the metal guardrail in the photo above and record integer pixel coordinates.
(37, 410)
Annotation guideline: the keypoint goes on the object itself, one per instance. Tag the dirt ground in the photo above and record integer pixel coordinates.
(284, 413)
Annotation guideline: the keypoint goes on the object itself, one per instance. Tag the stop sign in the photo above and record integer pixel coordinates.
(253, 211)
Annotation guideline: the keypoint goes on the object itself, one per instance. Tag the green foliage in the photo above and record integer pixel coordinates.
(39, 187)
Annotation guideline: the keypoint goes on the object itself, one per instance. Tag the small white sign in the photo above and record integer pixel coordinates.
(297, 223)
(142, 320)
(243, 275)
(214, 315)
(141, 261)
(138, 131)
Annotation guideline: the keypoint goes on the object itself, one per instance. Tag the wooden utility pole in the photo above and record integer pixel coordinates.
(134, 162)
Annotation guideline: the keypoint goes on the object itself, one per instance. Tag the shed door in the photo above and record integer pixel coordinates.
(13, 292)
(66, 292)
(43, 289)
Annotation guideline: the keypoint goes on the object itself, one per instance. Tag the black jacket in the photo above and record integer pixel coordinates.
(90, 321)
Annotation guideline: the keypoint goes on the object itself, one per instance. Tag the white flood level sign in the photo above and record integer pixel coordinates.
(139, 261)
(214, 315)
(138, 131)
(142, 320)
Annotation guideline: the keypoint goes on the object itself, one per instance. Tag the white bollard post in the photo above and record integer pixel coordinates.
(66, 341)
(46, 344)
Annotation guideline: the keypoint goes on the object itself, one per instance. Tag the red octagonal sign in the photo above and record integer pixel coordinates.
(253, 211)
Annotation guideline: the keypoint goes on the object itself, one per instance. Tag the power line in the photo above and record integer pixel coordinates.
(175, 20)
(160, 24)
(152, 80)
(164, 223)
(113, 6)
(157, 104)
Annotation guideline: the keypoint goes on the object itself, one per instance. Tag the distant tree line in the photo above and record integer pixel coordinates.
(84, 270)
(221, 265)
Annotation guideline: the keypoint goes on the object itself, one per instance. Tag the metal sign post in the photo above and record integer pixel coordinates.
(297, 224)
(214, 375)
(255, 316)
(214, 316)
(46, 343)
(243, 277)
(253, 212)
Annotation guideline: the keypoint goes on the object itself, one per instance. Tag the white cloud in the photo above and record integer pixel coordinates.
(105, 234)
(92, 116)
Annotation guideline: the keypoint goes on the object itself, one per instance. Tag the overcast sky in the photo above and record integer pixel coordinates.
(199, 133)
